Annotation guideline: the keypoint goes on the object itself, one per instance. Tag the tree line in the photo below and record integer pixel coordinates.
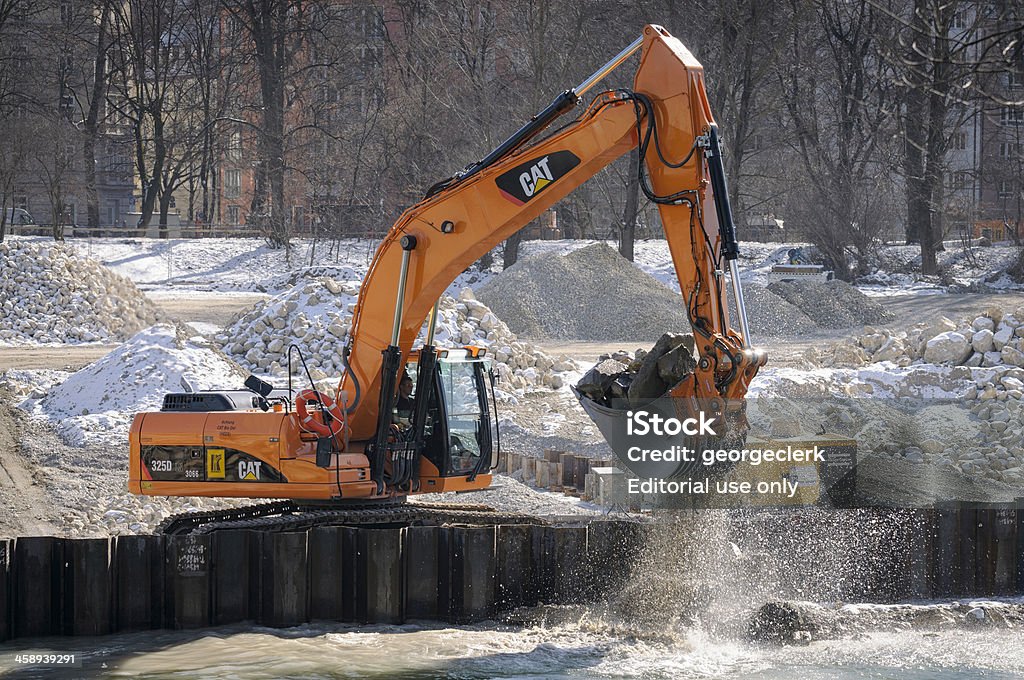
(839, 117)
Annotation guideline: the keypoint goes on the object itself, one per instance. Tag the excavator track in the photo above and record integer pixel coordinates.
(291, 516)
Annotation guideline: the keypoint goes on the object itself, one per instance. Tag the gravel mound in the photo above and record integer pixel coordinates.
(316, 315)
(832, 304)
(770, 315)
(590, 294)
(49, 294)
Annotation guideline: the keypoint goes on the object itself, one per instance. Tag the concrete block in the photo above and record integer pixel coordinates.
(611, 486)
(581, 466)
(421, 573)
(235, 576)
(284, 579)
(529, 469)
(36, 572)
(87, 587)
(568, 471)
(187, 581)
(138, 566)
(553, 455)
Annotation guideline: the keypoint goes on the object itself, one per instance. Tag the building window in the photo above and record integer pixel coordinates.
(1005, 189)
(233, 215)
(960, 19)
(1009, 149)
(299, 216)
(1011, 115)
(959, 141)
(235, 145)
(959, 180)
(232, 183)
(1014, 78)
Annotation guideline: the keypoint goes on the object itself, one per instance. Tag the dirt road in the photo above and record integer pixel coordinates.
(26, 505)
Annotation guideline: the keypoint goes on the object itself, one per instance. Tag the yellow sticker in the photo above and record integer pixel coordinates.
(215, 463)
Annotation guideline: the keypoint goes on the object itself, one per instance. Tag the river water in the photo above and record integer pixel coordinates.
(568, 650)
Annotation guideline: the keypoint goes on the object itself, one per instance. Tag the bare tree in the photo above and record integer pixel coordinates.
(840, 113)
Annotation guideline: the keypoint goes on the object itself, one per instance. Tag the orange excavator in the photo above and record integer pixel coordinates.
(368, 442)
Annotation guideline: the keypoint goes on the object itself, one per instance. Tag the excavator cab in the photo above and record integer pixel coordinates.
(449, 417)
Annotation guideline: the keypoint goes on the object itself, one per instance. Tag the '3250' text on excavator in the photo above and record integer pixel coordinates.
(348, 448)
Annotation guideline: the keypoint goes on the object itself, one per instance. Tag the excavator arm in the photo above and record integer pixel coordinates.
(464, 217)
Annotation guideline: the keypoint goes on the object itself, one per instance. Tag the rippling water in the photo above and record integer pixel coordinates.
(491, 651)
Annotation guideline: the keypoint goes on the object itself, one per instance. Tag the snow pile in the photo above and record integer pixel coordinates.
(590, 294)
(51, 295)
(995, 338)
(831, 304)
(317, 315)
(100, 400)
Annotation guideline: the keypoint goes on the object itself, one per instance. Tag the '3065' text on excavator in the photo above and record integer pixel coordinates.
(366, 444)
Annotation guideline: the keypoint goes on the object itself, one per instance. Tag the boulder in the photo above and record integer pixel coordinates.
(949, 347)
(782, 623)
(596, 382)
(648, 383)
(983, 340)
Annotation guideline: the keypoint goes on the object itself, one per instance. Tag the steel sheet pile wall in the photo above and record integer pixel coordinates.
(56, 586)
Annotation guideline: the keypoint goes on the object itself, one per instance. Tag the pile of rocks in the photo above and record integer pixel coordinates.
(316, 315)
(996, 338)
(49, 294)
(641, 377)
(590, 294)
(832, 304)
(770, 315)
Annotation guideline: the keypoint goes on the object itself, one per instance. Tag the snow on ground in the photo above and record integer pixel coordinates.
(91, 410)
(95, 406)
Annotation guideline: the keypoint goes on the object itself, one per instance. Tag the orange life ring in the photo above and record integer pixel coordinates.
(309, 422)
